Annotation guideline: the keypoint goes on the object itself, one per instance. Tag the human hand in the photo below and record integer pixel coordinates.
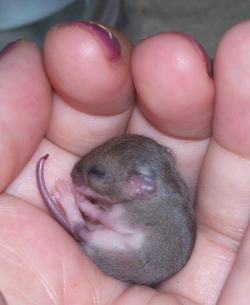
(92, 101)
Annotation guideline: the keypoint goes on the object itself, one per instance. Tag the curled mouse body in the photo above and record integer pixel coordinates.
(128, 209)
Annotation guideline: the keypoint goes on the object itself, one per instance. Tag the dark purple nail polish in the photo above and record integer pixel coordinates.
(7, 48)
(207, 59)
(108, 40)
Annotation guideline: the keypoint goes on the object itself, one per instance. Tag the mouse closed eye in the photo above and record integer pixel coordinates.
(97, 173)
(129, 210)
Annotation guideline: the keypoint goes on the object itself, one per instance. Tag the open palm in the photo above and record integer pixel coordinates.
(204, 120)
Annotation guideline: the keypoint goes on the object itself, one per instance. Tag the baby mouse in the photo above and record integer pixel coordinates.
(128, 209)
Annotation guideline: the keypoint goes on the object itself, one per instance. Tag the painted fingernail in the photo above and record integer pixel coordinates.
(108, 39)
(208, 61)
(7, 48)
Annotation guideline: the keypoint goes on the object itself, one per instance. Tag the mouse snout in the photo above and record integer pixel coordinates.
(77, 175)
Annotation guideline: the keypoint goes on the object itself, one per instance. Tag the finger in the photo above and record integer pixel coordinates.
(228, 158)
(223, 198)
(25, 107)
(175, 98)
(231, 150)
(88, 66)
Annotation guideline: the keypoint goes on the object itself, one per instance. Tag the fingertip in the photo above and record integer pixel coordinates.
(199, 48)
(89, 69)
(232, 74)
(174, 90)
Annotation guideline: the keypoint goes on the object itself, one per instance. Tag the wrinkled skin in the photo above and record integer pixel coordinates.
(177, 105)
(128, 208)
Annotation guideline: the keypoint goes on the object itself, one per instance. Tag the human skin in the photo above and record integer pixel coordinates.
(177, 105)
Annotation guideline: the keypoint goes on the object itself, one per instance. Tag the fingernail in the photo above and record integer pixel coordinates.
(7, 48)
(208, 61)
(108, 39)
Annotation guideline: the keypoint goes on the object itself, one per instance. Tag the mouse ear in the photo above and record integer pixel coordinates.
(142, 186)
